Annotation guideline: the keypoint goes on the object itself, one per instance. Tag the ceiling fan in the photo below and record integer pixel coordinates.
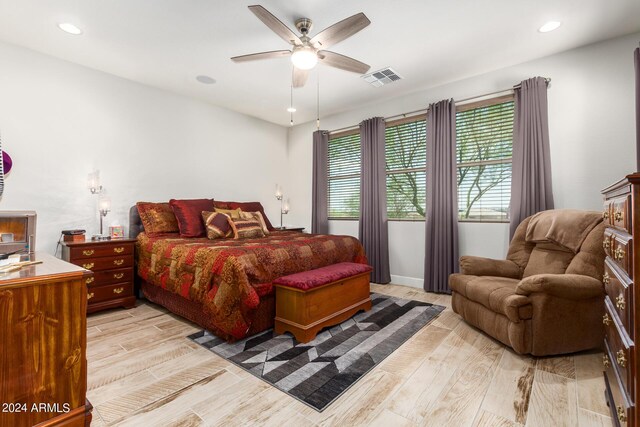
(307, 50)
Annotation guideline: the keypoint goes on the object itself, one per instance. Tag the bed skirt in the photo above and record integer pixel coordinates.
(194, 311)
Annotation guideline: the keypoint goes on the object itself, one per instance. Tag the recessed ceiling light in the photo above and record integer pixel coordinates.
(205, 79)
(291, 109)
(70, 28)
(549, 26)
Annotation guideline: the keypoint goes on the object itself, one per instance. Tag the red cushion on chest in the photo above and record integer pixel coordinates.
(321, 276)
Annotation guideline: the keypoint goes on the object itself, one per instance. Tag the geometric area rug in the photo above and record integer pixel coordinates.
(318, 372)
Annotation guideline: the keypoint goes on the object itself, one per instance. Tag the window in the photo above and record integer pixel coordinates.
(406, 152)
(344, 176)
(484, 141)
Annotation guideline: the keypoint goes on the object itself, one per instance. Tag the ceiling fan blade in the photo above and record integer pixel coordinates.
(343, 62)
(300, 77)
(275, 24)
(340, 31)
(261, 55)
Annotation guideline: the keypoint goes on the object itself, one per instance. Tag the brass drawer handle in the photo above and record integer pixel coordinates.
(622, 417)
(605, 361)
(605, 215)
(118, 290)
(90, 295)
(606, 278)
(618, 254)
(606, 320)
(620, 302)
(606, 243)
(622, 361)
(118, 250)
(617, 216)
(88, 266)
(88, 253)
(118, 261)
(118, 275)
(90, 280)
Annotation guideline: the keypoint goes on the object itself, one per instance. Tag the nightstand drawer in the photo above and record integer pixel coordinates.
(102, 250)
(108, 292)
(619, 288)
(110, 276)
(106, 263)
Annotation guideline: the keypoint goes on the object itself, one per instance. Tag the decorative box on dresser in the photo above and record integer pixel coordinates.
(43, 340)
(112, 264)
(621, 321)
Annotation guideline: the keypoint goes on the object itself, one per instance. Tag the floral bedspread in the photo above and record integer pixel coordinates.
(229, 276)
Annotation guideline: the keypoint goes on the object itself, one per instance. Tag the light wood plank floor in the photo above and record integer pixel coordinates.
(144, 372)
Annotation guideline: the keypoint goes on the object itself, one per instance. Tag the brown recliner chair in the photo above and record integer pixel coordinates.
(547, 297)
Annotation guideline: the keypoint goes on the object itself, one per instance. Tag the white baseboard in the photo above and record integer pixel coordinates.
(414, 282)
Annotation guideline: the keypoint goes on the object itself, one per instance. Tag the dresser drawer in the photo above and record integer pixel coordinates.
(617, 213)
(107, 292)
(607, 242)
(619, 288)
(101, 250)
(620, 404)
(110, 276)
(622, 251)
(619, 344)
(105, 263)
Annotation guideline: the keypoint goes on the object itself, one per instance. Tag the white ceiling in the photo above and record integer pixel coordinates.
(167, 43)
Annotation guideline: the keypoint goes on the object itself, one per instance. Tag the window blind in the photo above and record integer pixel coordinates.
(406, 153)
(484, 145)
(344, 177)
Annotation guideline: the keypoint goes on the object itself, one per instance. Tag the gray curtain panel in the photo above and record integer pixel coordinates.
(373, 227)
(441, 222)
(531, 173)
(636, 61)
(319, 209)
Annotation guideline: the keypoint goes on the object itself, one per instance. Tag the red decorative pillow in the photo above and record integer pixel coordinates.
(218, 225)
(246, 207)
(189, 215)
(157, 218)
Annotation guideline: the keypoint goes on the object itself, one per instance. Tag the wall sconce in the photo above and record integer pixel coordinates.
(93, 182)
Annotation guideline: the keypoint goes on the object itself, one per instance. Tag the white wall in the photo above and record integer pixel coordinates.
(592, 133)
(59, 121)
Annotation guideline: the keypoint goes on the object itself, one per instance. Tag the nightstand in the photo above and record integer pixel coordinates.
(112, 264)
(285, 228)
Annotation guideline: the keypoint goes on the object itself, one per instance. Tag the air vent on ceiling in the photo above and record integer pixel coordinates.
(381, 77)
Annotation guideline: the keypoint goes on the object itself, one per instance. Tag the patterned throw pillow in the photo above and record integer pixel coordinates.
(231, 213)
(157, 218)
(246, 228)
(257, 216)
(218, 225)
(247, 207)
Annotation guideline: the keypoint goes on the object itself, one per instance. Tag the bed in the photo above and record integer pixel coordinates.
(225, 285)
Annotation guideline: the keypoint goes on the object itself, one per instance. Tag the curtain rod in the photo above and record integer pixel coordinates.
(424, 110)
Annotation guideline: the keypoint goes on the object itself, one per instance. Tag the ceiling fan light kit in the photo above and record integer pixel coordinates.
(304, 57)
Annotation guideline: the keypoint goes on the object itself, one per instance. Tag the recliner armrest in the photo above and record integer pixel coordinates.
(570, 286)
(479, 266)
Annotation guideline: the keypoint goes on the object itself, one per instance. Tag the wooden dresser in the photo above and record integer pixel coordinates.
(112, 264)
(621, 321)
(43, 339)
